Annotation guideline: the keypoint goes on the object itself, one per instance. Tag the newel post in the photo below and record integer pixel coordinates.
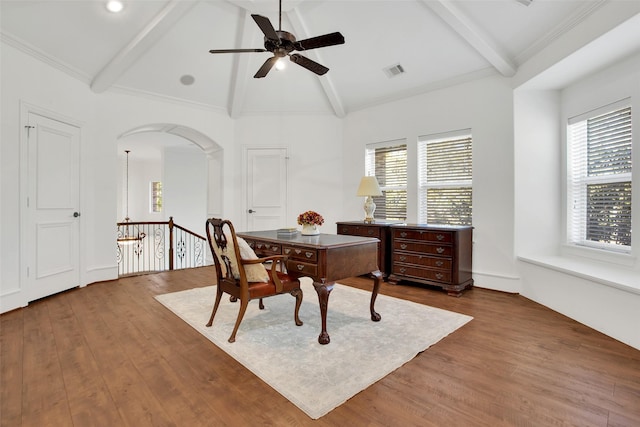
(170, 243)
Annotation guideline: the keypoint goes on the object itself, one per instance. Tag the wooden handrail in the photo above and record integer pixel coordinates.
(191, 249)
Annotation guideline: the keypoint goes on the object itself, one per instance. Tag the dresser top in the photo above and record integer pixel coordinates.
(377, 222)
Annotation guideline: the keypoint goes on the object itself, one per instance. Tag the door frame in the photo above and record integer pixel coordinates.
(244, 190)
(25, 219)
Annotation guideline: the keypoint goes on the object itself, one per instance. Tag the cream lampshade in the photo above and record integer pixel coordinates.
(369, 187)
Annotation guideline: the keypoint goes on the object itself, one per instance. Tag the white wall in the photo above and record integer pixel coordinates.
(314, 146)
(484, 106)
(185, 188)
(141, 173)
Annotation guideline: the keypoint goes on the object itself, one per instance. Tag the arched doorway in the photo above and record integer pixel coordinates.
(187, 162)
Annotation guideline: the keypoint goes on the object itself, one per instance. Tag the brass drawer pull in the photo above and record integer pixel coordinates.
(403, 234)
(403, 246)
(402, 270)
(439, 276)
(439, 263)
(298, 251)
(440, 237)
(300, 267)
(259, 245)
(287, 251)
(403, 258)
(440, 250)
(309, 254)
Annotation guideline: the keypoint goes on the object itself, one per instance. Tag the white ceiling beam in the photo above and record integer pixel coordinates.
(300, 30)
(473, 34)
(240, 75)
(150, 34)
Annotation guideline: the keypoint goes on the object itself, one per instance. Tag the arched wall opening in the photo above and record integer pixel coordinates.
(186, 162)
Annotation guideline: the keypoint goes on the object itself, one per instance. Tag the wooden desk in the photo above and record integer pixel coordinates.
(326, 258)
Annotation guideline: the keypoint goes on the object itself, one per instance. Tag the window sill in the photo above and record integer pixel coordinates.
(622, 278)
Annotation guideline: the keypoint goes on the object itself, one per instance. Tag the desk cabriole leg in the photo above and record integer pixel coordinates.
(374, 294)
(323, 291)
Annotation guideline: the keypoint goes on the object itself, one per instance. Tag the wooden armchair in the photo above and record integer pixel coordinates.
(242, 275)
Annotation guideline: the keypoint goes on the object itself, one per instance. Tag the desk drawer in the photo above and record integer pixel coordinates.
(303, 268)
(263, 249)
(303, 254)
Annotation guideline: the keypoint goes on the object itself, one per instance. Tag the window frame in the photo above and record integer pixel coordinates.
(573, 227)
(424, 184)
(155, 198)
(370, 171)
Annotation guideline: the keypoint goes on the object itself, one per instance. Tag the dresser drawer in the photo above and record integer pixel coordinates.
(421, 273)
(299, 267)
(424, 235)
(263, 249)
(300, 253)
(423, 260)
(425, 248)
(358, 230)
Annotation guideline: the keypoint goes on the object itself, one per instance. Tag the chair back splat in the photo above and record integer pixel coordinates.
(242, 275)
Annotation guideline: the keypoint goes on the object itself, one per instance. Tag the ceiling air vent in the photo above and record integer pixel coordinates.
(394, 70)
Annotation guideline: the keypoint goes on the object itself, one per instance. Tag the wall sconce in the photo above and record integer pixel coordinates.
(369, 187)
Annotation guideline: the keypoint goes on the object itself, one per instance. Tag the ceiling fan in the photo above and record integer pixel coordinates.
(282, 43)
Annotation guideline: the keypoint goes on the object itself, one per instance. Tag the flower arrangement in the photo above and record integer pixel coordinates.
(310, 217)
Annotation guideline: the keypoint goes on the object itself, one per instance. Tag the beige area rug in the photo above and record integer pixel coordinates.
(318, 378)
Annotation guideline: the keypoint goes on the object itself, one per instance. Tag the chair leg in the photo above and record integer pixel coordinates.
(298, 294)
(243, 308)
(261, 305)
(215, 305)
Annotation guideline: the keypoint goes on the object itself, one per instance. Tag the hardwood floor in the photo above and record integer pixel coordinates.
(110, 355)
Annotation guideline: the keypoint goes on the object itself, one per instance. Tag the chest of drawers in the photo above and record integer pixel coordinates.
(433, 255)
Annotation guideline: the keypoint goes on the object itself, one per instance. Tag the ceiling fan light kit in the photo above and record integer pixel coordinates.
(282, 43)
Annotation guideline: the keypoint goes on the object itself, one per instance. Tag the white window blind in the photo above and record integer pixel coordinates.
(599, 178)
(388, 163)
(445, 178)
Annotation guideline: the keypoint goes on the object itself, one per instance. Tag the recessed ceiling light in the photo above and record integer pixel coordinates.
(187, 80)
(114, 6)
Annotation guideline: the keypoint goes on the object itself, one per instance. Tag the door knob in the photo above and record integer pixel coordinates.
(251, 211)
(76, 214)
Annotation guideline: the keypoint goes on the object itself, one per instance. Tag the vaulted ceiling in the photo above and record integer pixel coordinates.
(161, 48)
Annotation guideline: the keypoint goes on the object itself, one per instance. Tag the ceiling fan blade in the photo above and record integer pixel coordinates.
(320, 41)
(236, 50)
(266, 67)
(309, 64)
(266, 27)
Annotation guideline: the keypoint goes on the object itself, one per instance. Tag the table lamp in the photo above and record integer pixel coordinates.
(369, 187)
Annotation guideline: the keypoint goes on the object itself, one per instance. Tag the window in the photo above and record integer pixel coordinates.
(156, 196)
(599, 178)
(388, 162)
(445, 174)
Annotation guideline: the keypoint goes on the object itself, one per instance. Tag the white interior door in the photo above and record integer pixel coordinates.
(266, 188)
(53, 214)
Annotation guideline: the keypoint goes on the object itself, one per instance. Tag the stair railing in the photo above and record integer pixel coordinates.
(145, 247)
